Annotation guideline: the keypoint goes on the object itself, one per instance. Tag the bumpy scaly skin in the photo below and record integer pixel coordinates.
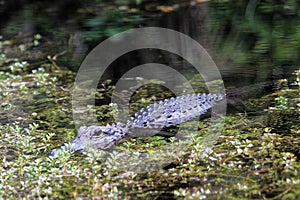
(170, 112)
(162, 114)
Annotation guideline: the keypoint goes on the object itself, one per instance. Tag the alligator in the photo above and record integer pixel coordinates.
(163, 114)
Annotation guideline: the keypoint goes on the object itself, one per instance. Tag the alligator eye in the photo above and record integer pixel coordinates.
(218, 98)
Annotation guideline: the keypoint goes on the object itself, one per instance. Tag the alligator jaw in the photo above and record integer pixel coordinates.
(59, 151)
(104, 142)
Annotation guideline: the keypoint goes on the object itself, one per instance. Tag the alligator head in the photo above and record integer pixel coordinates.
(101, 137)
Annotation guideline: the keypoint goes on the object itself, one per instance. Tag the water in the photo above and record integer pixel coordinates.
(71, 33)
(240, 49)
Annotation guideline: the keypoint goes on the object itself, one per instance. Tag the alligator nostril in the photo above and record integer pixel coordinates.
(54, 152)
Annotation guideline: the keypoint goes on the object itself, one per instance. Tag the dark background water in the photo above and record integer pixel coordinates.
(250, 41)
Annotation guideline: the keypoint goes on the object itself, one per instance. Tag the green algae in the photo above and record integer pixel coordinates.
(255, 157)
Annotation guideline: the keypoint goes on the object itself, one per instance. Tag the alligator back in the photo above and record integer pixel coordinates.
(170, 112)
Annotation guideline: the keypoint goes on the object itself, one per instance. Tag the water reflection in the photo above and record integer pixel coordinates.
(251, 41)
